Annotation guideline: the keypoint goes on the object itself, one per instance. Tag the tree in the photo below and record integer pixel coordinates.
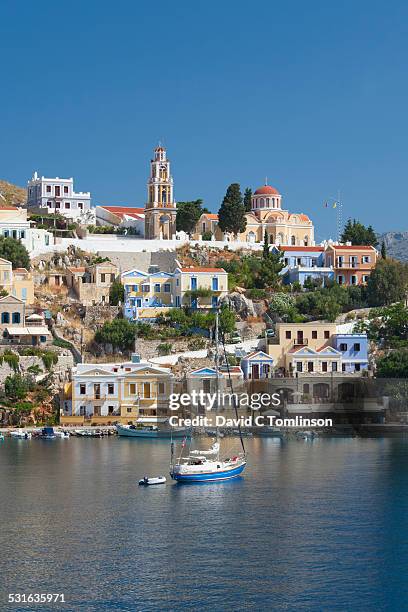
(248, 199)
(188, 214)
(393, 365)
(227, 320)
(14, 251)
(116, 293)
(272, 264)
(387, 283)
(383, 250)
(231, 216)
(16, 387)
(119, 332)
(358, 234)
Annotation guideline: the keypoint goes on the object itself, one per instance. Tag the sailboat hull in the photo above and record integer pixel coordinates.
(224, 474)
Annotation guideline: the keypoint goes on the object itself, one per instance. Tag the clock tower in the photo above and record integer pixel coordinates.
(160, 212)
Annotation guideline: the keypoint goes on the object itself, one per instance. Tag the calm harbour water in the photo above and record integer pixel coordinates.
(316, 525)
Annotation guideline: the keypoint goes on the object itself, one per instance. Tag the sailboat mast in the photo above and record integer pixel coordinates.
(217, 378)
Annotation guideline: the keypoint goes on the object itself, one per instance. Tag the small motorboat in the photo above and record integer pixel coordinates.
(20, 434)
(306, 435)
(1, 437)
(157, 480)
(63, 435)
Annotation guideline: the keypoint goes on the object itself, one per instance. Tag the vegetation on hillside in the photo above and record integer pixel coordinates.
(11, 195)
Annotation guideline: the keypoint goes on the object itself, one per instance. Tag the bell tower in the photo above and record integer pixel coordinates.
(160, 212)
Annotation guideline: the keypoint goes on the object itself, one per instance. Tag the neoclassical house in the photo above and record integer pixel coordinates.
(266, 216)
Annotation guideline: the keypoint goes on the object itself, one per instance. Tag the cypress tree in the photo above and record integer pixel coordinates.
(383, 250)
(248, 199)
(231, 216)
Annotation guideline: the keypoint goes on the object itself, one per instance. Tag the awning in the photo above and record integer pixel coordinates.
(28, 331)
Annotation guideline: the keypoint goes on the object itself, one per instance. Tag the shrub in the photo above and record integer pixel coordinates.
(207, 236)
(164, 348)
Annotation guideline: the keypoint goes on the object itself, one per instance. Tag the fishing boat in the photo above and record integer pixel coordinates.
(156, 480)
(20, 434)
(47, 433)
(306, 435)
(151, 431)
(210, 465)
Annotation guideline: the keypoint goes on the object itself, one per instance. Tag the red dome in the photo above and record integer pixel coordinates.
(266, 190)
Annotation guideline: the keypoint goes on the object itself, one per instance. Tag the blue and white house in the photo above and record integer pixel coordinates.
(257, 365)
(303, 262)
(147, 294)
(354, 351)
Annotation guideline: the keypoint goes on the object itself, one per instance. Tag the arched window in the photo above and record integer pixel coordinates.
(306, 241)
(15, 318)
(267, 202)
(5, 317)
(293, 240)
(262, 202)
(164, 198)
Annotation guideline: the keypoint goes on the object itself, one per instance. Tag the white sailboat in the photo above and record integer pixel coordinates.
(209, 465)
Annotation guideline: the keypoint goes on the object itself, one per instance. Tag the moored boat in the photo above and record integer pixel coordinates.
(62, 434)
(47, 433)
(151, 431)
(21, 434)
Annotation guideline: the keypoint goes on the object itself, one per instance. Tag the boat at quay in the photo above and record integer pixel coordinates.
(151, 431)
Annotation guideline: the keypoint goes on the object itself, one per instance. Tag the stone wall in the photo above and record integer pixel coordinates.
(61, 370)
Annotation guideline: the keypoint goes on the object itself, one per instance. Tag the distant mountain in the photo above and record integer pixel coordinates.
(396, 244)
(11, 195)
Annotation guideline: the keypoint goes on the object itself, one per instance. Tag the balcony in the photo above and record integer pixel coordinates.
(300, 342)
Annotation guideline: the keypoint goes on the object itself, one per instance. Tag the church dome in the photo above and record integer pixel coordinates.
(266, 190)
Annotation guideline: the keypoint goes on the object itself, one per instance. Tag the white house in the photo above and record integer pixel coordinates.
(14, 224)
(57, 195)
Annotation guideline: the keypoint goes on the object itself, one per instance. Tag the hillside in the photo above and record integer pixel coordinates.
(12, 194)
(396, 244)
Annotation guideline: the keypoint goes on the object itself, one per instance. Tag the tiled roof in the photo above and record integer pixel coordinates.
(124, 210)
(79, 269)
(341, 247)
(202, 269)
(266, 190)
(316, 249)
(212, 216)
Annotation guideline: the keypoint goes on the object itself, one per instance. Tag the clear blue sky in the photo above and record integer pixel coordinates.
(311, 94)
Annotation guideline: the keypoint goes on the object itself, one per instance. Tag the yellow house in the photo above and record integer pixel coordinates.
(18, 282)
(302, 342)
(200, 287)
(130, 392)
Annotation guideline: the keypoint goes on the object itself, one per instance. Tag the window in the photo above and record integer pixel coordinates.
(103, 278)
(324, 366)
(97, 390)
(80, 205)
(146, 390)
(134, 288)
(132, 389)
(5, 317)
(340, 279)
(299, 366)
(49, 204)
(65, 188)
(306, 388)
(314, 334)
(343, 367)
(310, 366)
(193, 283)
(157, 288)
(97, 411)
(82, 410)
(334, 366)
(14, 234)
(15, 317)
(357, 367)
(365, 278)
(357, 346)
(145, 288)
(57, 190)
(57, 205)
(343, 347)
(366, 259)
(178, 301)
(167, 288)
(48, 188)
(326, 334)
(111, 388)
(215, 284)
(354, 279)
(161, 388)
(288, 334)
(82, 389)
(111, 409)
(214, 302)
(22, 234)
(67, 205)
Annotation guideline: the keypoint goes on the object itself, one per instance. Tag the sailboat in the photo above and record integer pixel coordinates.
(209, 465)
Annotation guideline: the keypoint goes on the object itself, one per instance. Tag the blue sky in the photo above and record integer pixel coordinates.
(311, 94)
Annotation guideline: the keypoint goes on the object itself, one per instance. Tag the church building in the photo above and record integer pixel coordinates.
(266, 216)
(160, 211)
